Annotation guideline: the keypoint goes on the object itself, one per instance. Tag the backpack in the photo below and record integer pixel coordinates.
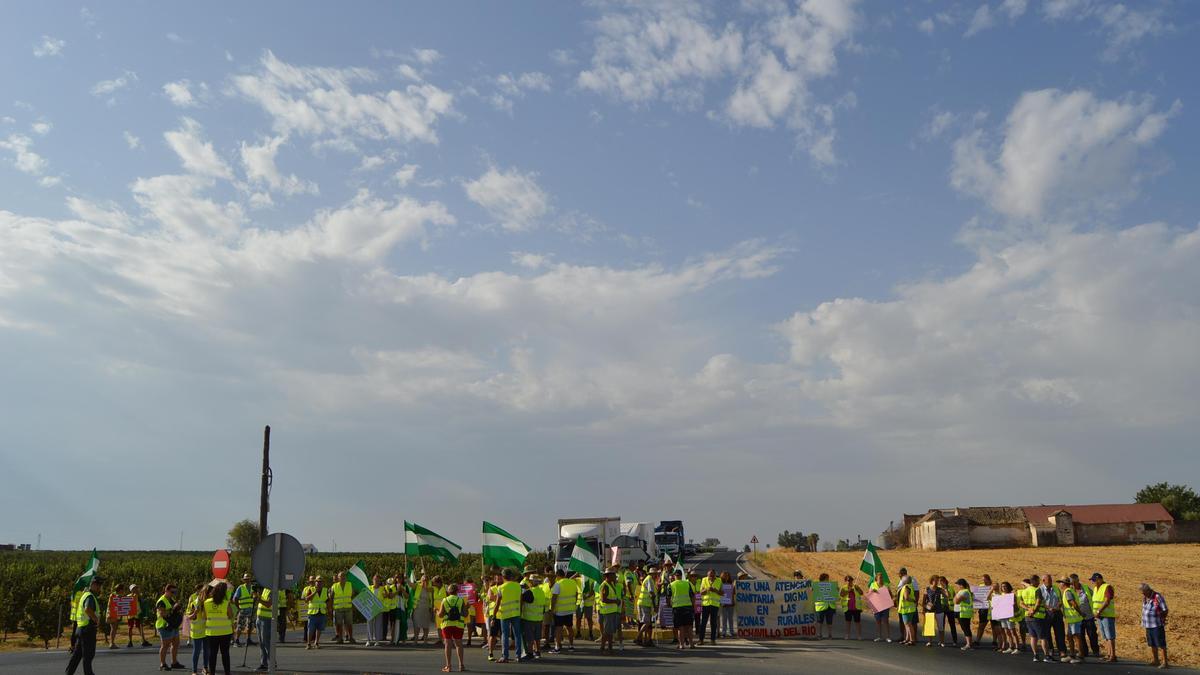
(453, 611)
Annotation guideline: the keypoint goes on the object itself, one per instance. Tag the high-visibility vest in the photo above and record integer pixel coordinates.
(1029, 596)
(568, 596)
(905, 602)
(81, 617)
(510, 600)
(196, 625)
(646, 592)
(714, 584)
(681, 593)
(216, 618)
(454, 601)
(1071, 614)
(844, 598)
(589, 593)
(547, 590)
(265, 612)
(75, 605)
(533, 611)
(316, 601)
(1109, 612)
(964, 603)
(439, 594)
(159, 622)
(343, 596)
(245, 597)
(818, 605)
(610, 591)
(301, 603)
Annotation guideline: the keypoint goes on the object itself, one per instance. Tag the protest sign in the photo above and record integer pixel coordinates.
(981, 596)
(826, 591)
(666, 618)
(121, 606)
(467, 593)
(1002, 607)
(879, 600)
(930, 628)
(775, 608)
(368, 605)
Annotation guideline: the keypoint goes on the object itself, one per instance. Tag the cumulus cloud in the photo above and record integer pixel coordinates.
(510, 87)
(24, 158)
(132, 140)
(513, 198)
(49, 46)
(1059, 151)
(197, 154)
(259, 163)
(1123, 25)
(180, 93)
(109, 87)
(316, 101)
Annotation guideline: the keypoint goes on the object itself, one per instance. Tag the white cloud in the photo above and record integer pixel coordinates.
(926, 26)
(427, 56)
(180, 93)
(175, 202)
(132, 141)
(405, 174)
(315, 101)
(49, 47)
(24, 158)
(373, 162)
(513, 198)
(1060, 151)
(197, 154)
(981, 20)
(109, 215)
(510, 87)
(531, 261)
(1124, 25)
(49, 181)
(41, 127)
(108, 87)
(259, 163)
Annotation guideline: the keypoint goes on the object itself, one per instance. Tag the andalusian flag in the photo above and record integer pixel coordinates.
(501, 548)
(871, 564)
(585, 561)
(412, 574)
(420, 541)
(85, 579)
(358, 578)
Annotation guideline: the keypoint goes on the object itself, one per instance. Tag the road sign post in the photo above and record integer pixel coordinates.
(754, 541)
(277, 560)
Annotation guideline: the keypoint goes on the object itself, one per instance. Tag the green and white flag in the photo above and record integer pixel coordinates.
(501, 548)
(93, 567)
(412, 575)
(585, 561)
(357, 576)
(421, 541)
(872, 564)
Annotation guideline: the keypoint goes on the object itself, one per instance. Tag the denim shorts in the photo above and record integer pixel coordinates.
(1156, 637)
(165, 634)
(1036, 627)
(1108, 627)
(883, 616)
(908, 617)
(316, 622)
(1075, 628)
(826, 616)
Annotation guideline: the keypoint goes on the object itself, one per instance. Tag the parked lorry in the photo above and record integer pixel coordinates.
(599, 533)
(635, 544)
(669, 538)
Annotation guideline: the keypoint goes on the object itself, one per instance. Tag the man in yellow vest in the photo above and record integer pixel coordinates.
(1104, 607)
(710, 604)
(320, 606)
(87, 618)
(564, 596)
(647, 604)
(533, 603)
(266, 603)
(243, 600)
(548, 614)
(509, 613)
(343, 609)
(681, 591)
(1035, 616)
(608, 606)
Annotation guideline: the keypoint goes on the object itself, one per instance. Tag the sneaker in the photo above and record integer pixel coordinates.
(878, 639)
(555, 651)
(237, 643)
(491, 657)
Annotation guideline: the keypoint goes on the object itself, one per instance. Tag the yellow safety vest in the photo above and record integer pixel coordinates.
(964, 603)
(216, 618)
(589, 593)
(905, 603)
(606, 607)
(510, 600)
(301, 603)
(1071, 614)
(439, 594)
(81, 617)
(196, 626)
(547, 589)
(568, 596)
(265, 612)
(646, 592)
(343, 596)
(75, 605)
(159, 622)
(454, 601)
(533, 611)
(844, 598)
(317, 601)
(710, 600)
(1109, 612)
(681, 593)
(245, 597)
(1029, 596)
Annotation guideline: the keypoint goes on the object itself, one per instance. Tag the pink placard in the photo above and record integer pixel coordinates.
(1002, 607)
(879, 600)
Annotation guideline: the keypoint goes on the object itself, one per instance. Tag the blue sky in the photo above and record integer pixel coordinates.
(728, 262)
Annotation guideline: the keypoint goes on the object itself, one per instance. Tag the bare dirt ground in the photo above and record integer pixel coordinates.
(1172, 569)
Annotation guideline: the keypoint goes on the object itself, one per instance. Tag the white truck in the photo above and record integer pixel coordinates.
(635, 544)
(599, 533)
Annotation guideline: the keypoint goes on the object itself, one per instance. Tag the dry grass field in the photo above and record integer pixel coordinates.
(1172, 569)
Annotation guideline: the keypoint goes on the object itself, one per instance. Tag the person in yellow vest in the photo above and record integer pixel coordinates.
(168, 617)
(266, 605)
(564, 596)
(218, 624)
(287, 599)
(343, 609)
(1104, 607)
(647, 604)
(508, 612)
(533, 603)
(710, 604)
(548, 614)
(451, 616)
(850, 604)
(491, 612)
(906, 610)
(302, 608)
(320, 606)
(195, 617)
(883, 624)
(627, 582)
(586, 610)
(87, 618)
(1035, 616)
(963, 605)
(375, 624)
(73, 615)
(243, 602)
(1073, 619)
(609, 608)
(681, 592)
(438, 593)
(422, 610)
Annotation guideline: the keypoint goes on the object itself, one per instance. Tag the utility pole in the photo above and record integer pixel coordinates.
(265, 491)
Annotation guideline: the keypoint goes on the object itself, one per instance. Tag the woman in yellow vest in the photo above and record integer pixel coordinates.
(883, 624)
(1073, 619)
(218, 625)
(195, 615)
(681, 592)
(906, 610)
(439, 593)
(964, 607)
(533, 607)
(451, 616)
(609, 608)
(850, 604)
(166, 624)
(422, 610)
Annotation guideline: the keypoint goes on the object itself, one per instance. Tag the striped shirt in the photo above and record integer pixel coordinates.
(1153, 609)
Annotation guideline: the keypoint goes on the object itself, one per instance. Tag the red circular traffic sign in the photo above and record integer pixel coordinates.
(220, 564)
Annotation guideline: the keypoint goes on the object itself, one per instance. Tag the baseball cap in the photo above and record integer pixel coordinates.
(1095, 576)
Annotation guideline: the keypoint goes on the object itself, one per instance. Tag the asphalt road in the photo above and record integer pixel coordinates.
(728, 561)
(732, 656)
